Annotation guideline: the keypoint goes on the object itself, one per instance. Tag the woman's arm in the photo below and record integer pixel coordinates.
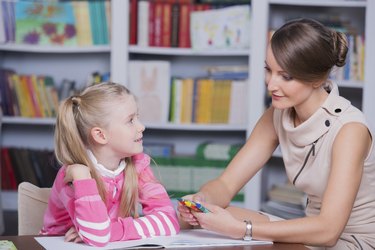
(350, 149)
(247, 162)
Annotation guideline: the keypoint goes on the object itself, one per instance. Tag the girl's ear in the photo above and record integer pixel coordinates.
(98, 135)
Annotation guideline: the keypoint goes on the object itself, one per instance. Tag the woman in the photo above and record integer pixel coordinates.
(327, 146)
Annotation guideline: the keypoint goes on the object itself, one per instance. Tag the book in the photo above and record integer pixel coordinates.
(83, 25)
(149, 81)
(166, 24)
(237, 102)
(143, 23)
(45, 23)
(175, 16)
(7, 244)
(231, 30)
(8, 177)
(217, 151)
(186, 238)
(184, 26)
(9, 20)
(157, 23)
(133, 5)
(159, 149)
(3, 36)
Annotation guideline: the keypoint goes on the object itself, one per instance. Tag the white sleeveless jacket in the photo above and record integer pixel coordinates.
(307, 153)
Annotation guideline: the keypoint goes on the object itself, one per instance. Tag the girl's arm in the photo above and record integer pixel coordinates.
(159, 216)
(350, 149)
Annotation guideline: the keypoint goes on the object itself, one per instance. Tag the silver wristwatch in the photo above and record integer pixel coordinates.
(249, 231)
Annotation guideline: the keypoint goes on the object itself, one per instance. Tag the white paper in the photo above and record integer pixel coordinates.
(186, 238)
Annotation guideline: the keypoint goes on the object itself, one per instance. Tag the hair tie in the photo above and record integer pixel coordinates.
(76, 100)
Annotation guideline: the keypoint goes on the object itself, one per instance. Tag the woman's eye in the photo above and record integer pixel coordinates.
(267, 68)
(287, 77)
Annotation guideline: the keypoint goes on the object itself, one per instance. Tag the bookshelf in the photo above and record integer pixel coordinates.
(78, 62)
(74, 62)
(185, 62)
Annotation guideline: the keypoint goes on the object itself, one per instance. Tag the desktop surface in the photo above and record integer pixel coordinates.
(27, 242)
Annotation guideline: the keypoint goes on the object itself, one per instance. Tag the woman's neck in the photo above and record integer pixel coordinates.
(304, 111)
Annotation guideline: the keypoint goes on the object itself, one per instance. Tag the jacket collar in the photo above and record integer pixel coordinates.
(320, 122)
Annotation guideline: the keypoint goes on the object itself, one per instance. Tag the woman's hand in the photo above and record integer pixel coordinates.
(220, 220)
(76, 172)
(185, 213)
(72, 236)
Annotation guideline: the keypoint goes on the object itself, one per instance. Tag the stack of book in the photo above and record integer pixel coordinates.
(208, 100)
(28, 95)
(189, 23)
(36, 166)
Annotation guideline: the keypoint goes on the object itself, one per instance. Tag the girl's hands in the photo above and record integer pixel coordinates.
(72, 236)
(185, 214)
(76, 172)
(220, 220)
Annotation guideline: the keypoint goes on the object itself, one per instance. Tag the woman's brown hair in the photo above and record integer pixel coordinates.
(307, 50)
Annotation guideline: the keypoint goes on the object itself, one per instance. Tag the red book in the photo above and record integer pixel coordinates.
(158, 18)
(184, 26)
(175, 19)
(133, 21)
(8, 178)
(166, 25)
(151, 25)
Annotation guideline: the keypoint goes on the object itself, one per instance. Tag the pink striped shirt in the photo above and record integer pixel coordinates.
(97, 222)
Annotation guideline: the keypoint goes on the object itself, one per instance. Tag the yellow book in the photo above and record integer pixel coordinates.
(38, 95)
(44, 96)
(31, 92)
(187, 100)
(205, 92)
(226, 94)
(23, 97)
(215, 102)
(83, 26)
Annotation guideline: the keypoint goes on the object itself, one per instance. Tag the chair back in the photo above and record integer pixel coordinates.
(32, 203)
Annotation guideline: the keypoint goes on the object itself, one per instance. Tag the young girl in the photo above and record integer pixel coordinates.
(328, 150)
(105, 174)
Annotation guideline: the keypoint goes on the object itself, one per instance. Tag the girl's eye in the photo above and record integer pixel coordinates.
(131, 120)
(267, 68)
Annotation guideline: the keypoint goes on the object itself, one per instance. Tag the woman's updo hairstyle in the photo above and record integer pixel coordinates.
(307, 50)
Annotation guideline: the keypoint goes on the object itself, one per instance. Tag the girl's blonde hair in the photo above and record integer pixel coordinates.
(76, 117)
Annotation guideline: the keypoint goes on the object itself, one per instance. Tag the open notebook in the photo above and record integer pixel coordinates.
(186, 238)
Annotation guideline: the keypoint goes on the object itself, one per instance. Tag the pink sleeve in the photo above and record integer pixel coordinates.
(159, 216)
(90, 214)
(83, 204)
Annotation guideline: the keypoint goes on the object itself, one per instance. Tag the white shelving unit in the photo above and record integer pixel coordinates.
(77, 63)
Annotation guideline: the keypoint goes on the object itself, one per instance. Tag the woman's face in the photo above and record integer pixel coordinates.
(286, 92)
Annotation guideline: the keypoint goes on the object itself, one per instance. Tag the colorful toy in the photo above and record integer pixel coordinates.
(193, 205)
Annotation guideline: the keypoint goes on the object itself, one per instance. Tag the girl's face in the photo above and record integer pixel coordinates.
(286, 92)
(125, 130)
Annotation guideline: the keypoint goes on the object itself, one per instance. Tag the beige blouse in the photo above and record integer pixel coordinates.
(307, 152)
